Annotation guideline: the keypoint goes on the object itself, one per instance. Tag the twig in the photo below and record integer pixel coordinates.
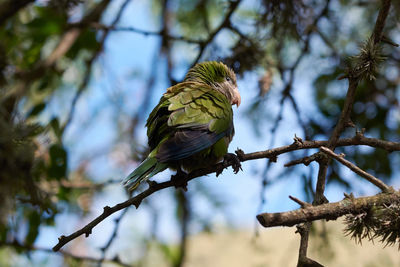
(286, 94)
(136, 201)
(66, 41)
(348, 104)
(357, 170)
(344, 118)
(145, 33)
(225, 23)
(184, 205)
(112, 237)
(306, 144)
(89, 65)
(271, 153)
(303, 260)
(304, 160)
(300, 202)
(329, 211)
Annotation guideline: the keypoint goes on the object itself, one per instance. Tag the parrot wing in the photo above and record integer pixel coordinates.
(189, 118)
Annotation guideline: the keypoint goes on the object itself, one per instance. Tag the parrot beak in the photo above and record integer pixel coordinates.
(236, 98)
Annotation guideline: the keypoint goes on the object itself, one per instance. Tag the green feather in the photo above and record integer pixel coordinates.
(148, 168)
(210, 72)
(192, 106)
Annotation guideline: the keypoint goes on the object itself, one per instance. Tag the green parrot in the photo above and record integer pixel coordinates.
(192, 125)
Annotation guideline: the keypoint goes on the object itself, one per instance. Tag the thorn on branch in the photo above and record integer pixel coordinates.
(360, 133)
(137, 203)
(347, 196)
(300, 202)
(273, 158)
(389, 41)
(297, 140)
(88, 232)
(344, 76)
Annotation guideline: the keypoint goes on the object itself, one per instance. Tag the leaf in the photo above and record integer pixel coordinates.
(58, 162)
(37, 109)
(55, 125)
(86, 41)
(33, 231)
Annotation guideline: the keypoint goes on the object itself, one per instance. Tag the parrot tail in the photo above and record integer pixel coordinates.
(148, 168)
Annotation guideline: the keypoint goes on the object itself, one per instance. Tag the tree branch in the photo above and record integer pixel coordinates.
(329, 211)
(225, 23)
(66, 41)
(372, 179)
(218, 168)
(348, 104)
(299, 144)
(345, 114)
(92, 59)
(136, 201)
(160, 33)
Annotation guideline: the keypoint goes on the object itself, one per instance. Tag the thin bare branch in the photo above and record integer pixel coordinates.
(218, 168)
(136, 201)
(306, 144)
(160, 33)
(346, 111)
(224, 24)
(372, 179)
(348, 104)
(89, 64)
(300, 202)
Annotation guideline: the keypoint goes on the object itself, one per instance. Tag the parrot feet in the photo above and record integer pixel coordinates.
(234, 161)
(180, 179)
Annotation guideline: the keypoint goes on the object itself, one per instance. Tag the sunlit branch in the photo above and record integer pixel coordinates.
(218, 168)
(345, 119)
(329, 211)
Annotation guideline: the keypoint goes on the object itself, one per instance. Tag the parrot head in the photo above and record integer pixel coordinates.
(218, 76)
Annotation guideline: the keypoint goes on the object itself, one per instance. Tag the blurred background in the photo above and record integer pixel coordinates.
(79, 78)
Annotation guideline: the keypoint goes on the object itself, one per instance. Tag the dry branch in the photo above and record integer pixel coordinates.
(218, 168)
(372, 179)
(354, 77)
(329, 211)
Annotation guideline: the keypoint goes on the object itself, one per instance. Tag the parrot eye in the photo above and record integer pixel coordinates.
(228, 79)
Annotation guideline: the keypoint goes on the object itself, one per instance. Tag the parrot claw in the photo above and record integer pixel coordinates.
(180, 179)
(234, 161)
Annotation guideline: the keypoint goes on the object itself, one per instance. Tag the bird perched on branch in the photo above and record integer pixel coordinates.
(192, 125)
